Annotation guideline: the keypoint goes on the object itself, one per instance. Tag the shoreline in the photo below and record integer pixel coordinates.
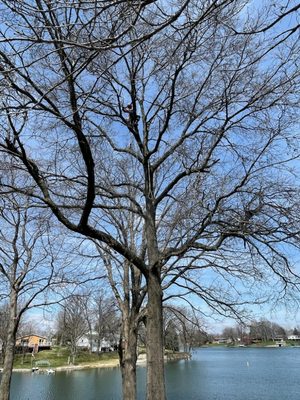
(114, 363)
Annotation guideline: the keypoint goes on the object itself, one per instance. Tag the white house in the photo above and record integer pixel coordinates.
(87, 340)
(293, 337)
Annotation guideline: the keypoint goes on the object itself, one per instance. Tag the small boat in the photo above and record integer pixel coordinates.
(50, 371)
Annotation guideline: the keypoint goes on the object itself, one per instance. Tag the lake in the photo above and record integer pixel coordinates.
(212, 374)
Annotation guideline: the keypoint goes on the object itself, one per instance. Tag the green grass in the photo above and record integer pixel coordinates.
(293, 342)
(264, 344)
(58, 357)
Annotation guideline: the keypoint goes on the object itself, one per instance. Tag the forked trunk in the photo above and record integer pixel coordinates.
(155, 345)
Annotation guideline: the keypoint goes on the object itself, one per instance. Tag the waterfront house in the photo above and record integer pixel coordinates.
(32, 343)
(293, 337)
(222, 341)
(92, 343)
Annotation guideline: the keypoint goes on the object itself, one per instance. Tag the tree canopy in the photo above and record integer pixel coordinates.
(175, 120)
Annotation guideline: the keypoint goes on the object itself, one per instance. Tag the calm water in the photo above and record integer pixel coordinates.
(212, 374)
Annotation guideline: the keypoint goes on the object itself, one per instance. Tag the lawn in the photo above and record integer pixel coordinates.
(58, 357)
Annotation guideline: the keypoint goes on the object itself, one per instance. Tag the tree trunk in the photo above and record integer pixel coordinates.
(128, 358)
(10, 349)
(155, 345)
(72, 356)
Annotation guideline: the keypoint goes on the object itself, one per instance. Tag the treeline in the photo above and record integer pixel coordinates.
(262, 330)
(94, 316)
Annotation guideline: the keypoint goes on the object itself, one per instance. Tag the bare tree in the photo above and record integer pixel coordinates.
(72, 323)
(27, 268)
(171, 334)
(186, 327)
(191, 132)
(230, 333)
(106, 319)
(266, 330)
(295, 331)
(129, 290)
(99, 309)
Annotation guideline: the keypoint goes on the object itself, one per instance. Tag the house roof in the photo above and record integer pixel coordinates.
(29, 336)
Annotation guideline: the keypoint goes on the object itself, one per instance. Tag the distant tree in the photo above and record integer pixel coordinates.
(28, 271)
(266, 330)
(242, 332)
(230, 333)
(59, 329)
(171, 337)
(238, 332)
(171, 331)
(296, 332)
(106, 318)
(72, 323)
(278, 331)
(184, 328)
(101, 314)
(260, 330)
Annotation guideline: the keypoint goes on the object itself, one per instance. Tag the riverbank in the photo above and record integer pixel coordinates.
(58, 359)
(114, 363)
(107, 363)
(270, 343)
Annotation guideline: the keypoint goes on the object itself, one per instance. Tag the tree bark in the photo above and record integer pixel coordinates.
(10, 349)
(155, 344)
(128, 358)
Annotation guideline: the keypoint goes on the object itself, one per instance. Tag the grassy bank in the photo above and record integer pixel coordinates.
(59, 356)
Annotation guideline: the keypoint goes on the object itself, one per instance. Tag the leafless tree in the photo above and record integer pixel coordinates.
(295, 331)
(106, 319)
(129, 290)
(35, 264)
(27, 269)
(186, 327)
(171, 334)
(233, 334)
(73, 323)
(99, 310)
(266, 330)
(230, 333)
(88, 316)
(191, 132)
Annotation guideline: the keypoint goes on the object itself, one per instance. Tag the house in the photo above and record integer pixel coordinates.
(91, 342)
(32, 343)
(222, 341)
(293, 337)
